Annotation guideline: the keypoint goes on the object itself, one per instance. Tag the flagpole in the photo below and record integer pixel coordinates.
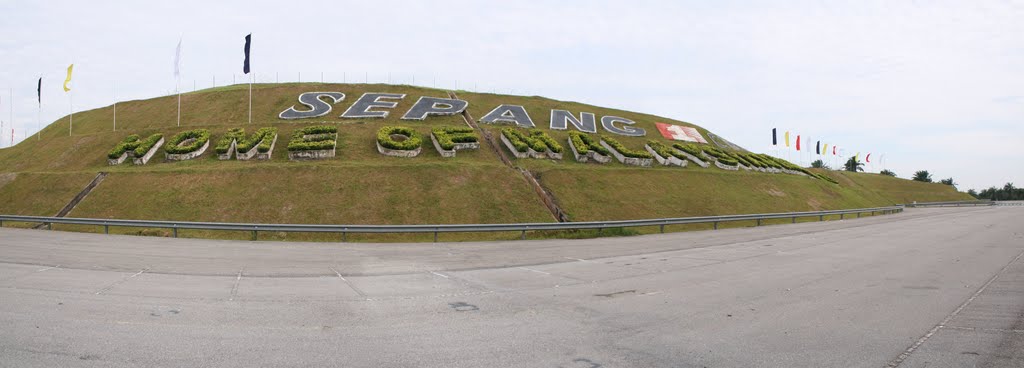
(115, 106)
(178, 90)
(71, 106)
(251, 77)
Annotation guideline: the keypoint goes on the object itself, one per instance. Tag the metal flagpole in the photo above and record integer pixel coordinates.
(71, 118)
(250, 97)
(115, 106)
(177, 89)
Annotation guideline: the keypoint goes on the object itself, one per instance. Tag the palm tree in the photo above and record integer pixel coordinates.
(887, 172)
(819, 164)
(923, 175)
(853, 165)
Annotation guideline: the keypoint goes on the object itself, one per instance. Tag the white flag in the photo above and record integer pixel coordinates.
(177, 60)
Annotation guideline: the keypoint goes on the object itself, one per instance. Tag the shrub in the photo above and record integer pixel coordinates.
(577, 142)
(448, 136)
(545, 140)
(148, 144)
(663, 150)
(411, 143)
(224, 144)
(262, 135)
(728, 161)
(591, 143)
(536, 140)
(688, 148)
(623, 150)
(128, 144)
(199, 136)
(313, 138)
(268, 140)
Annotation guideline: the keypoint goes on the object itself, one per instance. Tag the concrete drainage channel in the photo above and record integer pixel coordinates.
(523, 228)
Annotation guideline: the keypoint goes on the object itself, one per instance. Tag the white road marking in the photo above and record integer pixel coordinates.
(442, 275)
(339, 274)
(906, 354)
(111, 286)
(576, 259)
(234, 289)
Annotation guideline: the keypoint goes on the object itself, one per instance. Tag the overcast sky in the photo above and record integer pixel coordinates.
(936, 86)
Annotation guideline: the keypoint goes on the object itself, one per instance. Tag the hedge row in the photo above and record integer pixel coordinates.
(448, 136)
(688, 148)
(664, 151)
(321, 137)
(587, 143)
(412, 142)
(224, 144)
(536, 140)
(128, 144)
(623, 150)
(201, 136)
(264, 137)
(148, 144)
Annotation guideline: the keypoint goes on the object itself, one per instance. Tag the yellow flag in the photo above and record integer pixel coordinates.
(68, 79)
(787, 139)
(824, 151)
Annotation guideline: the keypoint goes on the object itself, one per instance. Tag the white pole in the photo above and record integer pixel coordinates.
(253, 76)
(176, 89)
(321, 77)
(71, 118)
(115, 107)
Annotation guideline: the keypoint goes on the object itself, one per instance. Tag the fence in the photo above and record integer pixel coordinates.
(435, 229)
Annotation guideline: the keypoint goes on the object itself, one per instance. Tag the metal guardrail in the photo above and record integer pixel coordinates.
(951, 204)
(521, 227)
(1009, 203)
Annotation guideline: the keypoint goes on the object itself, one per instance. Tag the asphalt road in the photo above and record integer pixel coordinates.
(926, 288)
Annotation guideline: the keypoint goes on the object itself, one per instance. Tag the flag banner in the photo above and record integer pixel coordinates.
(856, 157)
(824, 149)
(817, 148)
(67, 80)
(177, 60)
(833, 150)
(39, 91)
(867, 158)
(787, 139)
(245, 64)
(797, 142)
(680, 133)
(775, 139)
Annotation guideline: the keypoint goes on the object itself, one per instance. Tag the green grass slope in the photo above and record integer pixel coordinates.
(360, 186)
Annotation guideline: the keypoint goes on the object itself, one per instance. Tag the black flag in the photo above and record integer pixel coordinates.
(248, 42)
(39, 91)
(775, 140)
(817, 148)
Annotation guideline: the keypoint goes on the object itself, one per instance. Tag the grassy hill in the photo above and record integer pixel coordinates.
(360, 186)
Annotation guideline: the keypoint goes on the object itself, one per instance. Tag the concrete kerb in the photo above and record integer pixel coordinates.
(187, 155)
(632, 161)
(399, 153)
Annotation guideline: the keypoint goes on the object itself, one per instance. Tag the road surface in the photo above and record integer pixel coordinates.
(937, 287)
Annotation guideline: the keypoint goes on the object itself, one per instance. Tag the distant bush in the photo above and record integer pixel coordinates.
(448, 136)
(412, 141)
(147, 144)
(314, 138)
(589, 143)
(128, 144)
(623, 150)
(199, 138)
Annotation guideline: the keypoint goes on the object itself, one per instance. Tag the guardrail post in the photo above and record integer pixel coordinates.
(106, 229)
(758, 222)
(1, 223)
(821, 217)
(49, 226)
(842, 216)
(254, 235)
(523, 235)
(344, 237)
(175, 230)
(716, 225)
(858, 214)
(794, 219)
(662, 228)
(435, 235)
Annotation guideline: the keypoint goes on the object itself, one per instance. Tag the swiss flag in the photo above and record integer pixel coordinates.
(680, 133)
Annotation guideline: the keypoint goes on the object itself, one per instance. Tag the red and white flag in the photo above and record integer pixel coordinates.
(680, 133)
